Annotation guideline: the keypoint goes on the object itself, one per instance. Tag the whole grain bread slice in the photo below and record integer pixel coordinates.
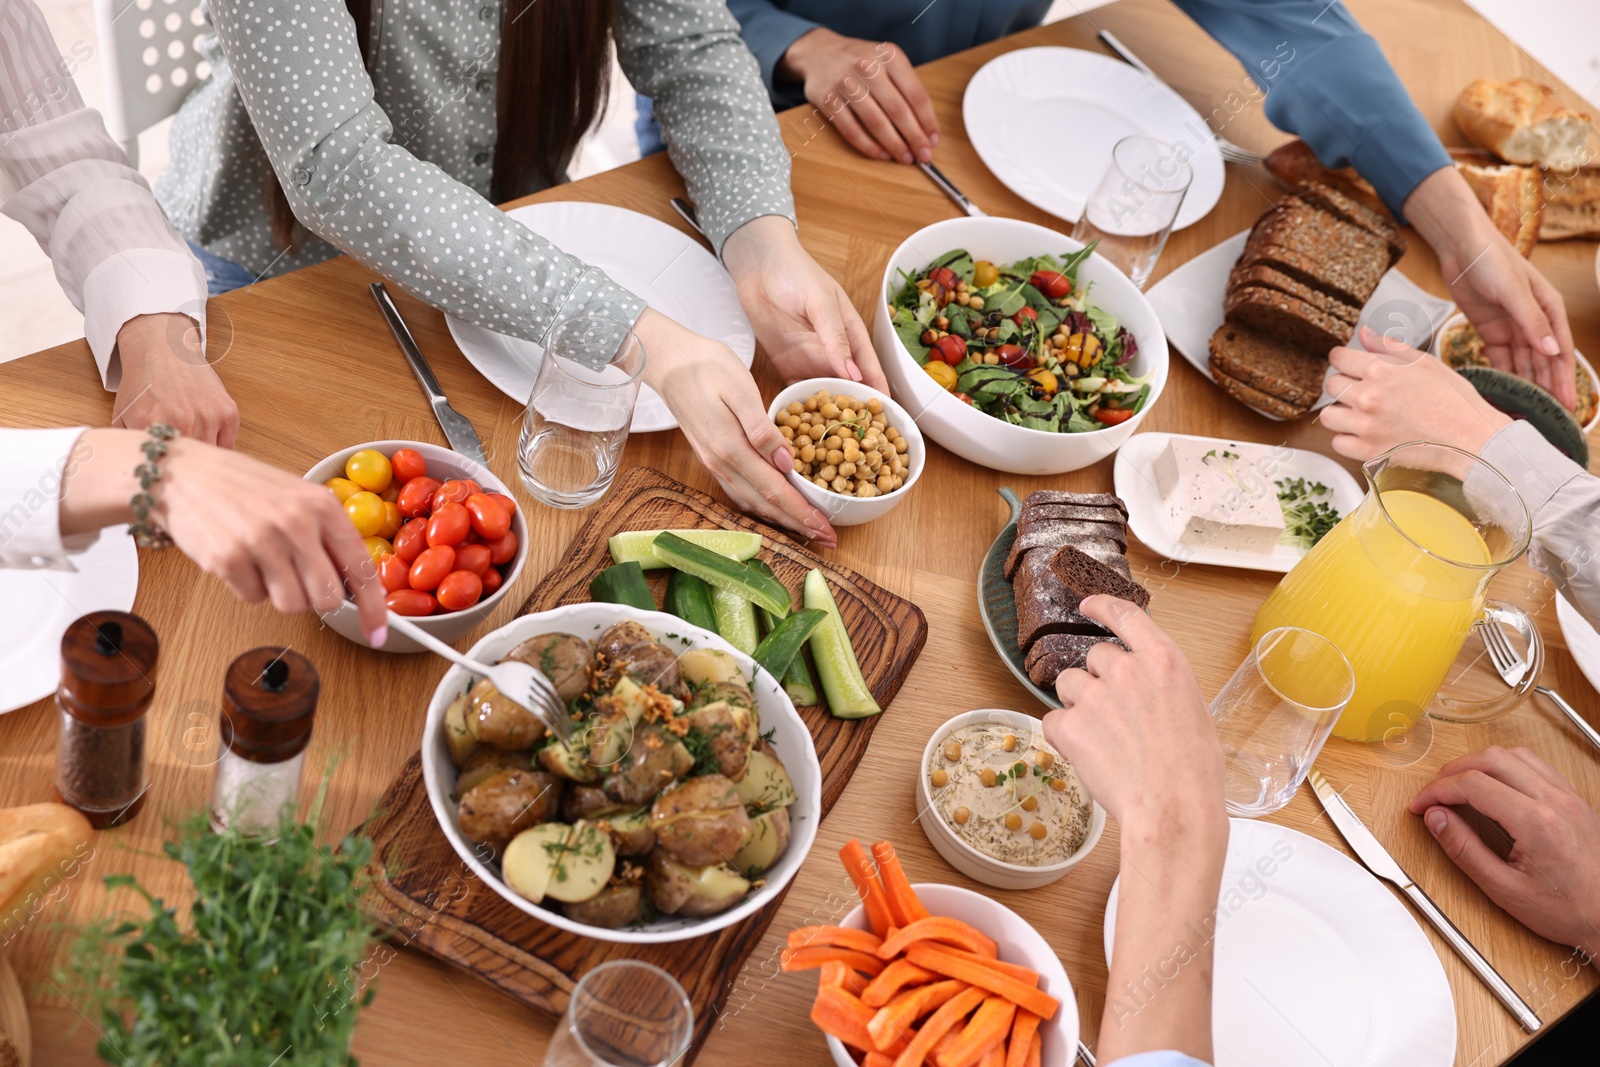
(1286, 317)
(1053, 653)
(1348, 210)
(1318, 249)
(1251, 397)
(1269, 278)
(1282, 371)
(1086, 576)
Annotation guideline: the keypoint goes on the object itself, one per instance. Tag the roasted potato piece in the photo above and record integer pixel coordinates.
(583, 865)
(725, 729)
(530, 859)
(506, 803)
(570, 763)
(735, 692)
(588, 802)
(486, 762)
(610, 733)
(705, 666)
(630, 832)
(618, 904)
(769, 840)
(627, 648)
(457, 736)
(564, 659)
(679, 889)
(765, 785)
(701, 821)
(496, 720)
(654, 761)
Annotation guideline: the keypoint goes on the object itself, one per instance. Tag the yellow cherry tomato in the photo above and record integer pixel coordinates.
(391, 520)
(1045, 379)
(941, 372)
(393, 492)
(984, 274)
(369, 469)
(377, 548)
(366, 510)
(343, 488)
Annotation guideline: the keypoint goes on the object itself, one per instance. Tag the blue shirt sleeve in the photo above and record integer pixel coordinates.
(768, 31)
(1158, 1059)
(1328, 82)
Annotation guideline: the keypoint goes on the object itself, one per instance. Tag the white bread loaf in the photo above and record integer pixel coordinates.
(1513, 196)
(1571, 204)
(1522, 121)
(41, 847)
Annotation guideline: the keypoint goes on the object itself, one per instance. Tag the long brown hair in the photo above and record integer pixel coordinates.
(554, 70)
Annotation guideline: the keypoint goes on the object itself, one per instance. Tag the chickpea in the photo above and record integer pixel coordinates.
(811, 404)
(990, 359)
(847, 413)
(875, 405)
(900, 445)
(1038, 831)
(1046, 760)
(832, 441)
(940, 778)
(796, 408)
(975, 302)
(808, 454)
(828, 473)
(793, 422)
(787, 432)
(988, 776)
(892, 434)
(1013, 821)
(1030, 802)
(1010, 743)
(960, 816)
(798, 466)
(885, 483)
(834, 457)
(821, 481)
(952, 751)
(1058, 784)
(839, 485)
(1018, 769)
(866, 489)
(829, 410)
(847, 469)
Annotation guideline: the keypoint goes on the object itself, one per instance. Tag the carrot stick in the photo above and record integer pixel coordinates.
(1015, 970)
(838, 973)
(839, 1014)
(988, 1029)
(900, 1015)
(904, 906)
(813, 956)
(1035, 1051)
(995, 1058)
(837, 936)
(896, 976)
(941, 960)
(859, 866)
(1022, 1031)
(877, 1059)
(934, 928)
(938, 1025)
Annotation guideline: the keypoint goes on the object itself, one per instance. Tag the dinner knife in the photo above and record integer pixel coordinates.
(457, 427)
(686, 209)
(949, 189)
(1383, 865)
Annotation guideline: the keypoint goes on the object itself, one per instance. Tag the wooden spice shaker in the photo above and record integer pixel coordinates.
(269, 699)
(108, 667)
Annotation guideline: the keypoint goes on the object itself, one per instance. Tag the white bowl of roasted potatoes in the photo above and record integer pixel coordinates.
(687, 800)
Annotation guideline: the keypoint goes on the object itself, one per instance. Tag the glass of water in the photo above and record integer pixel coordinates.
(579, 411)
(1275, 713)
(1133, 208)
(623, 1014)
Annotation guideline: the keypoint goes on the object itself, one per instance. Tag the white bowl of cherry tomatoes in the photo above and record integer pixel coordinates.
(446, 537)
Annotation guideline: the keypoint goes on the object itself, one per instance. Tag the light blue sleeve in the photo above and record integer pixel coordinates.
(1158, 1059)
(1328, 82)
(768, 31)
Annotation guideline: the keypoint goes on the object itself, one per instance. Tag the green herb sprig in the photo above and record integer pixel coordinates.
(1306, 517)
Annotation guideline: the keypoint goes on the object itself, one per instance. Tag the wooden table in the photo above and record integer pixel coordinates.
(314, 369)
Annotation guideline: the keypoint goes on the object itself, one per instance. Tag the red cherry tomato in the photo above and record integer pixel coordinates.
(394, 573)
(1052, 284)
(455, 491)
(965, 399)
(949, 348)
(489, 518)
(945, 277)
(491, 582)
(504, 501)
(411, 602)
(460, 589)
(431, 567)
(502, 550)
(1025, 312)
(474, 558)
(411, 540)
(1014, 356)
(407, 464)
(1113, 416)
(416, 496)
(449, 525)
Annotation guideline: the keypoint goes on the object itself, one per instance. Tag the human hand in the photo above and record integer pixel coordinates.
(1517, 312)
(721, 414)
(869, 90)
(799, 313)
(1392, 394)
(165, 378)
(1551, 880)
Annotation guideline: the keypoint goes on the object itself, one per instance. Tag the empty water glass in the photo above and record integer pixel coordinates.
(1274, 715)
(1133, 208)
(579, 411)
(623, 1014)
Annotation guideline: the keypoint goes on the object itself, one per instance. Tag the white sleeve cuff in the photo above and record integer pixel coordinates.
(140, 281)
(30, 499)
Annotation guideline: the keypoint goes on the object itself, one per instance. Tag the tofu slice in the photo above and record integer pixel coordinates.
(1220, 495)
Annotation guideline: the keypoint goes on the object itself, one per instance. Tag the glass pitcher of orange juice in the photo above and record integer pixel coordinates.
(1399, 583)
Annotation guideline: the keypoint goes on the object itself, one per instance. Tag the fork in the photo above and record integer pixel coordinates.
(1511, 667)
(521, 683)
(1226, 148)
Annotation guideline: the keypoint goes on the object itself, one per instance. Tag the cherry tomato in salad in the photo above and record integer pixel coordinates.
(394, 573)
(455, 491)
(460, 589)
(411, 540)
(369, 469)
(489, 519)
(431, 567)
(950, 348)
(965, 399)
(985, 273)
(1113, 416)
(366, 512)
(943, 276)
(1014, 356)
(491, 582)
(448, 526)
(416, 496)
(941, 372)
(1023, 314)
(411, 602)
(502, 550)
(1052, 284)
(474, 558)
(407, 464)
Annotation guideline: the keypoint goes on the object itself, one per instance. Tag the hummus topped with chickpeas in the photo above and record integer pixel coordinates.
(845, 444)
(1009, 795)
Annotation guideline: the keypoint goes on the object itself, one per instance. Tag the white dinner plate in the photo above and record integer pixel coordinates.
(1189, 304)
(663, 266)
(41, 604)
(1317, 963)
(1582, 640)
(1134, 475)
(1044, 120)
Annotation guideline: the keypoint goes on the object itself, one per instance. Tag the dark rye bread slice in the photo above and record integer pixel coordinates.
(1086, 577)
(1267, 364)
(1342, 207)
(1088, 500)
(1079, 512)
(1254, 398)
(1287, 318)
(1054, 535)
(1044, 604)
(1269, 278)
(1054, 653)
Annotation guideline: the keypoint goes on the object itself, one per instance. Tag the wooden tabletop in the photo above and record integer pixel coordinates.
(314, 369)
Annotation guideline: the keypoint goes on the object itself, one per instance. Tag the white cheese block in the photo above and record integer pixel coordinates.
(1220, 494)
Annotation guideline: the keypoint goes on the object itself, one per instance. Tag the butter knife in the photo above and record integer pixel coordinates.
(687, 211)
(949, 189)
(1383, 865)
(457, 427)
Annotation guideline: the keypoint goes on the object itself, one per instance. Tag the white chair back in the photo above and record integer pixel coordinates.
(149, 51)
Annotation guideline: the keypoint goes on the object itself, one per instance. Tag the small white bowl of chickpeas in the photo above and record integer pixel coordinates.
(857, 453)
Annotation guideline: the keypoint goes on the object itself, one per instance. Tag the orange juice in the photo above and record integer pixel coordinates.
(1400, 615)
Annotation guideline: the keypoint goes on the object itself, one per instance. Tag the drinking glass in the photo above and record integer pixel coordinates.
(1132, 210)
(623, 1014)
(1274, 715)
(579, 411)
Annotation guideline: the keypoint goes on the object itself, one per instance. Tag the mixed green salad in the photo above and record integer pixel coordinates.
(1022, 342)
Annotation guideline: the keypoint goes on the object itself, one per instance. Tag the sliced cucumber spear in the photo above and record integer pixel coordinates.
(723, 573)
(689, 599)
(842, 681)
(623, 584)
(797, 679)
(736, 618)
(637, 546)
(782, 645)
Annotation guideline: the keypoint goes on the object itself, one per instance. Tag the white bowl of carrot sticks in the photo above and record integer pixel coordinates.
(933, 974)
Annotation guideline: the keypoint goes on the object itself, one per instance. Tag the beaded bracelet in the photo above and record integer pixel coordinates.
(146, 534)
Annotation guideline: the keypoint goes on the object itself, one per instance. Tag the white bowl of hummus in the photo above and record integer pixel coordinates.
(1000, 805)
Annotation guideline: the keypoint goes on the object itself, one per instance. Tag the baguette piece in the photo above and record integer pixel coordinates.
(1523, 121)
(1086, 577)
(1294, 163)
(1286, 318)
(1251, 397)
(1054, 653)
(1571, 204)
(36, 842)
(1264, 363)
(1513, 197)
(1269, 278)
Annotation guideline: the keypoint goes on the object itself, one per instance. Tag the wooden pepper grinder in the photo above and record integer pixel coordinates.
(269, 699)
(108, 668)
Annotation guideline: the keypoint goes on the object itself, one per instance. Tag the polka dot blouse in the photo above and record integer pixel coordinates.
(392, 165)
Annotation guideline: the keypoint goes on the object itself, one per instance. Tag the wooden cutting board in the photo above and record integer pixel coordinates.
(431, 901)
